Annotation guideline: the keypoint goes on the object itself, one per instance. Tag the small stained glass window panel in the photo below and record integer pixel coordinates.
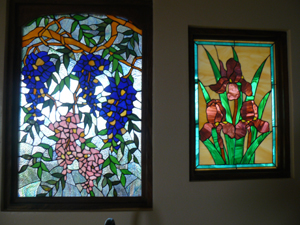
(80, 107)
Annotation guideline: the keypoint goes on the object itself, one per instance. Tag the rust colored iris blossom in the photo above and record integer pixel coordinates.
(231, 77)
(249, 113)
(216, 119)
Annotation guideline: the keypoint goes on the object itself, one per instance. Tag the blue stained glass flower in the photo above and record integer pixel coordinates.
(124, 91)
(37, 70)
(32, 109)
(36, 95)
(90, 66)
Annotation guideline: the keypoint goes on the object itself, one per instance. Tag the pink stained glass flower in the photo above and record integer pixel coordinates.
(249, 114)
(66, 147)
(216, 116)
(89, 166)
(231, 77)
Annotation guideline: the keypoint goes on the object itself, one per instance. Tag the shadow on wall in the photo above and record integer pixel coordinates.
(146, 218)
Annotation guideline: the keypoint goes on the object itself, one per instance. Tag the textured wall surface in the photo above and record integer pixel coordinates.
(177, 201)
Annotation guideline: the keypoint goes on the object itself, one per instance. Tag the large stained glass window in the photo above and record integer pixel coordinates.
(235, 105)
(80, 123)
(78, 107)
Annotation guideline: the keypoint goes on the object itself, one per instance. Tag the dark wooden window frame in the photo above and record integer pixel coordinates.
(282, 98)
(23, 11)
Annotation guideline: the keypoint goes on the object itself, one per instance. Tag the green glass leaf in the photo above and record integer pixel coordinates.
(251, 150)
(27, 117)
(87, 41)
(112, 49)
(23, 168)
(39, 172)
(126, 172)
(230, 144)
(103, 132)
(114, 143)
(131, 78)
(61, 85)
(66, 60)
(107, 145)
(85, 27)
(26, 156)
(80, 35)
(37, 155)
(106, 163)
(53, 138)
(74, 25)
(136, 37)
(50, 193)
(37, 128)
(105, 52)
(120, 137)
(92, 194)
(44, 146)
(215, 139)
(239, 150)
(213, 66)
(117, 78)
(55, 90)
(115, 64)
(255, 80)
(93, 41)
(133, 150)
(109, 184)
(116, 56)
(123, 180)
(53, 56)
(262, 105)
(24, 138)
(43, 166)
(136, 140)
(25, 110)
(133, 117)
(113, 168)
(36, 165)
(129, 157)
(63, 183)
(135, 160)
(79, 17)
(57, 185)
(204, 92)
(82, 146)
(73, 77)
(88, 35)
(46, 21)
(91, 145)
(120, 68)
(67, 82)
(41, 195)
(235, 57)
(45, 188)
(104, 182)
(64, 50)
(58, 175)
(225, 104)
(135, 127)
(50, 152)
(214, 152)
(57, 66)
(114, 160)
(132, 42)
(46, 159)
(128, 32)
(109, 175)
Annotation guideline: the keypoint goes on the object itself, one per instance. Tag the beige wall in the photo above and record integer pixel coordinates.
(176, 201)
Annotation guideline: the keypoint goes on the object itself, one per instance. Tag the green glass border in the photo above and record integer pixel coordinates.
(197, 150)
